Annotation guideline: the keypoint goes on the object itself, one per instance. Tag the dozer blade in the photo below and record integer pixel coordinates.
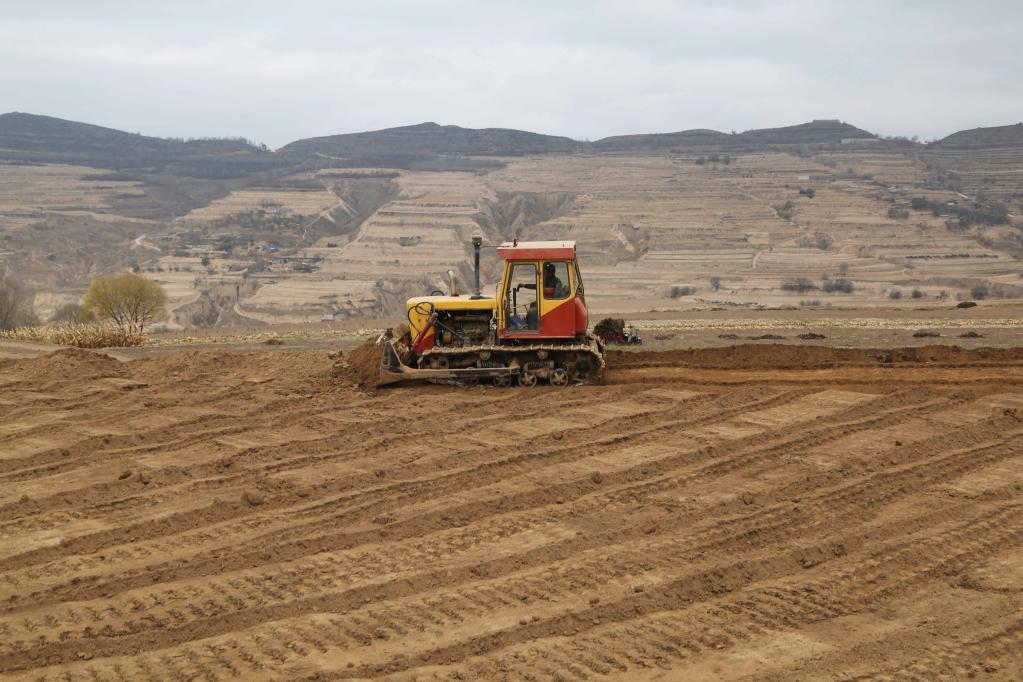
(393, 370)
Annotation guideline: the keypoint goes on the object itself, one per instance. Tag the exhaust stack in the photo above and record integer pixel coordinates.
(477, 242)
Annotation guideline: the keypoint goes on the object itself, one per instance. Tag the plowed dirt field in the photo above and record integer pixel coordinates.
(761, 513)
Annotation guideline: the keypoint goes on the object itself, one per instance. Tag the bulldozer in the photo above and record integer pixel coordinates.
(533, 330)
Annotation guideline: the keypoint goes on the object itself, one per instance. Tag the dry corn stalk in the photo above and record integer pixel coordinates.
(78, 335)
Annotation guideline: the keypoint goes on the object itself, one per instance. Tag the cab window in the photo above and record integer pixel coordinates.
(579, 293)
(555, 280)
(521, 303)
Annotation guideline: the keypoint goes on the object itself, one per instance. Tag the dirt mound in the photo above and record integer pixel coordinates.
(66, 363)
(785, 356)
(361, 366)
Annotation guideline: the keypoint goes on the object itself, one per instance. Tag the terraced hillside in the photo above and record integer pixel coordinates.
(650, 225)
(743, 513)
(348, 226)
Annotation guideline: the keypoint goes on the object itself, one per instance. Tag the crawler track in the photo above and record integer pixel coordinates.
(251, 516)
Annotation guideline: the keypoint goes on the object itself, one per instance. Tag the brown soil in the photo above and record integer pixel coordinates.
(361, 366)
(805, 357)
(761, 512)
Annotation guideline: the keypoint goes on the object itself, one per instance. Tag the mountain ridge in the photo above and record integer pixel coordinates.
(47, 139)
(992, 136)
(26, 137)
(430, 137)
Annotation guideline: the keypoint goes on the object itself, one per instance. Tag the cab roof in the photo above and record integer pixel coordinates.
(516, 250)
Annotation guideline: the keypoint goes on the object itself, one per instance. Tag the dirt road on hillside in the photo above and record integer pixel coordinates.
(757, 513)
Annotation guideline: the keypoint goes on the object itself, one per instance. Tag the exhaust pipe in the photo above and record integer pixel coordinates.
(452, 283)
(477, 242)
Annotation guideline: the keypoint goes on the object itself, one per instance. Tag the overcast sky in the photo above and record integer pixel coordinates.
(279, 71)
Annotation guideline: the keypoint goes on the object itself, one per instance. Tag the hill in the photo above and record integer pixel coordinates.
(429, 139)
(682, 139)
(996, 136)
(35, 138)
(820, 131)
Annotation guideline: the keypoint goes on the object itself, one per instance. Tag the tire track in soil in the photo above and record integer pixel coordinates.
(393, 564)
(974, 458)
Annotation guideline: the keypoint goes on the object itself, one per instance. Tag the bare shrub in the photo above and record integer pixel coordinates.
(16, 304)
(71, 313)
(799, 284)
(678, 291)
(787, 210)
(816, 240)
(838, 286)
(127, 300)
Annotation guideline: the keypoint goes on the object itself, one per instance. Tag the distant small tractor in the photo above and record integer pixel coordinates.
(611, 330)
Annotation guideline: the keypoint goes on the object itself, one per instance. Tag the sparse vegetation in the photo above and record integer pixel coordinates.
(895, 294)
(898, 213)
(980, 292)
(715, 283)
(917, 294)
(977, 212)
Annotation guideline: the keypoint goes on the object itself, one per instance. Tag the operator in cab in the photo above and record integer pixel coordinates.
(553, 287)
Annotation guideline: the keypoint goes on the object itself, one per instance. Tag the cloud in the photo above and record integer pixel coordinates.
(276, 73)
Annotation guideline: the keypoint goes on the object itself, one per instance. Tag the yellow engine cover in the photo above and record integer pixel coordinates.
(419, 314)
